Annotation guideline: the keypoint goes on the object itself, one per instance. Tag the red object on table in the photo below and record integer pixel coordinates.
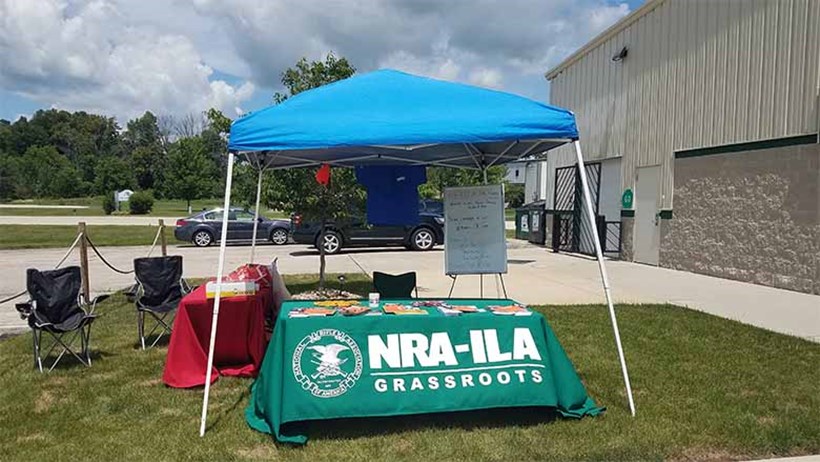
(240, 336)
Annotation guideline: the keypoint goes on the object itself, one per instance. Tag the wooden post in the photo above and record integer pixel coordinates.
(84, 261)
(162, 237)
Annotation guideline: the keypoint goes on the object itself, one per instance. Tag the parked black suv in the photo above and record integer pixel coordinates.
(355, 232)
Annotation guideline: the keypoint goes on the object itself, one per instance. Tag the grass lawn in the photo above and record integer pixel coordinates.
(162, 207)
(40, 236)
(705, 388)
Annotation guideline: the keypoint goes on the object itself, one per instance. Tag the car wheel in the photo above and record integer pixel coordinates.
(422, 239)
(202, 239)
(279, 236)
(331, 241)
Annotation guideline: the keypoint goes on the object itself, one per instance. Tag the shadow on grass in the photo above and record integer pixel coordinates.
(241, 399)
(69, 362)
(464, 420)
(149, 342)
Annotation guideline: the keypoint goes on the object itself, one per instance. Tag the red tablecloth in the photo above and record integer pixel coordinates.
(240, 338)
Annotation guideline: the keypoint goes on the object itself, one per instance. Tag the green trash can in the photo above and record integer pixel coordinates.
(537, 233)
(522, 223)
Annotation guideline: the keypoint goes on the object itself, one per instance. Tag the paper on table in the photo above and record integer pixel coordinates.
(448, 311)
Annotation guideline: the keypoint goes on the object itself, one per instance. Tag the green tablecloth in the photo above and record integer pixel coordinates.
(336, 367)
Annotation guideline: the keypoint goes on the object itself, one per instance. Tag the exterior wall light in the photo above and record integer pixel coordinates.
(619, 56)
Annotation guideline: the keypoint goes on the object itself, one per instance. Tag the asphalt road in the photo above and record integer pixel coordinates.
(536, 276)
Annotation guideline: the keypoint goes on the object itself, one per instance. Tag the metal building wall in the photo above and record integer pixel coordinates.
(699, 73)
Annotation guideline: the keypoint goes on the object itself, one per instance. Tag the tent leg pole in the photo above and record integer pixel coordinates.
(219, 269)
(604, 277)
(256, 214)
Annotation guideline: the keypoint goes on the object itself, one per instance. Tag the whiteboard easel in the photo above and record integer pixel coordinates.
(475, 240)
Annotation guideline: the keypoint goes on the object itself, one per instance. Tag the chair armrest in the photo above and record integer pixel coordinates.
(24, 309)
(131, 292)
(97, 299)
(186, 288)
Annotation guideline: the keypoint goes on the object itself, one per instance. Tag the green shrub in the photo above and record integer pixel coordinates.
(515, 195)
(140, 203)
(108, 204)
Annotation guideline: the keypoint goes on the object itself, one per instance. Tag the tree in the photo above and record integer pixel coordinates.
(514, 193)
(189, 125)
(296, 189)
(112, 174)
(43, 172)
(439, 178)
(143, 142)
(8, 174)
(142, 132)
(218, 122)
(307, 75)
(147, 164)
(79, 138)
(191, 172)
(243, 189)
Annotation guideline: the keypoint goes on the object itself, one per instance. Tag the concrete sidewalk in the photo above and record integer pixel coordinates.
(815, 458)
(536, 276)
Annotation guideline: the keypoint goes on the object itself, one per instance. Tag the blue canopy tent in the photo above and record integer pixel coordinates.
(390, 117)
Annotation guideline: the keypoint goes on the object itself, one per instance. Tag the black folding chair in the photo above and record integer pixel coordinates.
(160, 288)
(57, 308)
(395, 286)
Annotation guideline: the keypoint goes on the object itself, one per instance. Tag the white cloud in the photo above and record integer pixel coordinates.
(486, 77)
(488, 42)
(439, 67)
(87, 55)
(125, 56)
(224, 95)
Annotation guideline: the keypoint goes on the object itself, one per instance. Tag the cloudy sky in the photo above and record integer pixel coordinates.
(123, 57)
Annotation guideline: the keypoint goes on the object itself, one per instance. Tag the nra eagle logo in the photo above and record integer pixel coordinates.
(327, 363)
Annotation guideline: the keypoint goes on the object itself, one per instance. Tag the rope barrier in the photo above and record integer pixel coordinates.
(96, 251)
(70, 249)
(62, 260)
(109, 265)
(13, 297)
(154, 244)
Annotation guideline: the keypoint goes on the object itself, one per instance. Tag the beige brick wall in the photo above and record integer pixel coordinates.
(752, 216)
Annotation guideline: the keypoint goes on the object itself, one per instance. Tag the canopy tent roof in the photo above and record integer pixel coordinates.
(388, 116)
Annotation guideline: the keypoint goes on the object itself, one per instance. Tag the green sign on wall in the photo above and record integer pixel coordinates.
(626, 199)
